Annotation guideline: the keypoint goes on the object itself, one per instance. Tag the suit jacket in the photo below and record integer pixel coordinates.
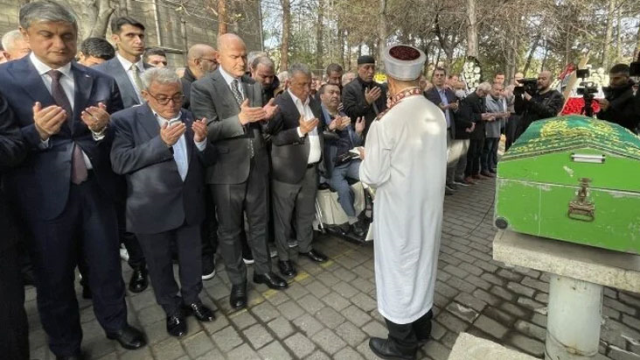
(471, 109)
(114, 68)
(187, 79)
(331, 145)
(12, 151)
(46, 173)
(290, 152)
(355, 105)
(158, 199)
(434, 96)
(212, 99)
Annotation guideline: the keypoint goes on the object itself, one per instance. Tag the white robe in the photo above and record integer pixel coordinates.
(405, 160)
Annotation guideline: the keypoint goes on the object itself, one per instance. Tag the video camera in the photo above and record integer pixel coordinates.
(588, 90)
(530, 86)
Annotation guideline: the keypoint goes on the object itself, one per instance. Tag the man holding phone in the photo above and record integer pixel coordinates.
(447, 101)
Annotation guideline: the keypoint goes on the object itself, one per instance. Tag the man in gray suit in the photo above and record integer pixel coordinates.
(127, 68)
(296, 157)
(233, 105)
(161, 150)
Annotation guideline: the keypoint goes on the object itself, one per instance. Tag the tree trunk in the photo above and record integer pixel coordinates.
(319, 32)
(286, 34)
(340, 42)
(222, 17)
(606, 46)
(472, 30)
(382, 33)
(636, 53)
(618, 35)
(534, 47)
(545, 58)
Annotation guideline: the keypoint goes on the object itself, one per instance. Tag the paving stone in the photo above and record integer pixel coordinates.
(311, 304)
(631, 321)
(465, 313)
(140, 354)
(486, 265)
(437, 330)
(363, 272)
(169, 349)
(503, 293)
(620, 354)
(364, 302)
(318, 355)
(300, 345)
(487, 297)
(242, 319)
(500, 316)
(375, 329)
(436, 351)
(328, 341)
(456, 271)
(265, 312)
(355, 315)
(446, 290)
(227, 339)
(345, 289)
(617, 305)
(478, 282)
(258, 336)
(528, 345)
(529, 303)
(351, 334)
(327, 279)
(493, 279)
(528, 272)
(150, 315)
(281, 327)
(461, 284)
(347, 354)
(329, 317)
(365, 351)
(628, 299)
(344, 274)
(308, 324)
(520, 289)
(336, 301)
(277, 297)
(490, 326)
(451, 322)
(539, 320)
(198, 344)
(296, 291)
(514, 310)
(243, 352)
(531, 330)
(274, 351)
(290, 310)
(536, 284)
(318, 289)
(509, 275)
(212, 327)
(213, 354)
(470, 301)
(363, 285)
(449, 259)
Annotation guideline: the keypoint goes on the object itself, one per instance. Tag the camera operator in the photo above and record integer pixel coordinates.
(541, 103)
(620, 106)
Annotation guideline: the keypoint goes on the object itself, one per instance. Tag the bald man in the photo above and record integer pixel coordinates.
(201, 60)
(14, 45)
(542, 104)
(235, 111)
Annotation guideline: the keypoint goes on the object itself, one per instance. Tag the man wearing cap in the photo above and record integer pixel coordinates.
(363, 96)
(408, 210)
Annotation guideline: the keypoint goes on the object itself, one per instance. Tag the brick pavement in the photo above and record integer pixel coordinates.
(329, 311)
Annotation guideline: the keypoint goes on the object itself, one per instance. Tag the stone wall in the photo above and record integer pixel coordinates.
(178, 29)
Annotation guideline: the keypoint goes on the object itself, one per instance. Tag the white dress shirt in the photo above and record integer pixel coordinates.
(69, 86)
(314, 140)
(228, 78)
(126, 64)
(180, 147)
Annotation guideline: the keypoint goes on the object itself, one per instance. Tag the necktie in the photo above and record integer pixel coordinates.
(235, 89)
(78, 168)
(136, 78)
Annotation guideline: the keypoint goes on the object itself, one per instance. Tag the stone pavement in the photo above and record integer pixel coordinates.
(329, 311)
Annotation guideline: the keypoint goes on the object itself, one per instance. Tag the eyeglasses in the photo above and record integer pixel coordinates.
(164, 100)
(210, 60)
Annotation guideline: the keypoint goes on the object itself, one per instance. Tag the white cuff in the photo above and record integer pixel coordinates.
(97, 136)
(201, 145)
(300, 134)
(44, 144)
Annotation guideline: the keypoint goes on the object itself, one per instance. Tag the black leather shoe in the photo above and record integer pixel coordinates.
(208, 268)
(139, 280)
(272, 280)
(71, 357)
(386, 349)
(357, 229)
(176, 326)
(315, 255)
(238, 297)
(129, 337)
(286, 269)
(201, 312)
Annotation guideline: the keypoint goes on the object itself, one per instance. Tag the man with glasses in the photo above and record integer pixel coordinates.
(619, 106)
(162, 150)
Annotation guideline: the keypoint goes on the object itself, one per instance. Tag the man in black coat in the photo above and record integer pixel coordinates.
(364, 96)
(543, 104)
(620, 106)
(14, 330)
(296, 158)
(473, 109)
(201, 60)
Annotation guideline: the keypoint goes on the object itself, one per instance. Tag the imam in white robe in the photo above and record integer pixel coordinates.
(405, 161)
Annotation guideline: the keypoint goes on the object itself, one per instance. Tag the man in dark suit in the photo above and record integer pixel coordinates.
(364, 96)
(127, 69)
(447, 101)
(64, 189)
(232, 104)
(161, 150)
(474, 109)
(296, 157)
(14, 330)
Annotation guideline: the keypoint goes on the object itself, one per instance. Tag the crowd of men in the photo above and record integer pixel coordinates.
(103, 148)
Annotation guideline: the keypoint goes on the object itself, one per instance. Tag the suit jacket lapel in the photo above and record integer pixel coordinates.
(83, 85)
(223, 88)
(248, 91)
(188, 137)
(124, 83)
(149, 121)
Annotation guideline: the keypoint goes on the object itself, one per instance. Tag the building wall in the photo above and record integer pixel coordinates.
(193, 23)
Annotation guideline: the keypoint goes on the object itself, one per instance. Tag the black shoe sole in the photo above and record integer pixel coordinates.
(387, 357)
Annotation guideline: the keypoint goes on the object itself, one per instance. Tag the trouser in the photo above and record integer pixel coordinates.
(157, 251)
(14, 332)
(406, 337)
(473, 157)
(460, 147)
(232, 202)
(136, 256)
(339, 183)
(299, 200)
(490, 154)
(90, 218)
(452, 158)
(511, 129)
(209, 229)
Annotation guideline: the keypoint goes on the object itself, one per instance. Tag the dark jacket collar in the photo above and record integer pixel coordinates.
(188, 75)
